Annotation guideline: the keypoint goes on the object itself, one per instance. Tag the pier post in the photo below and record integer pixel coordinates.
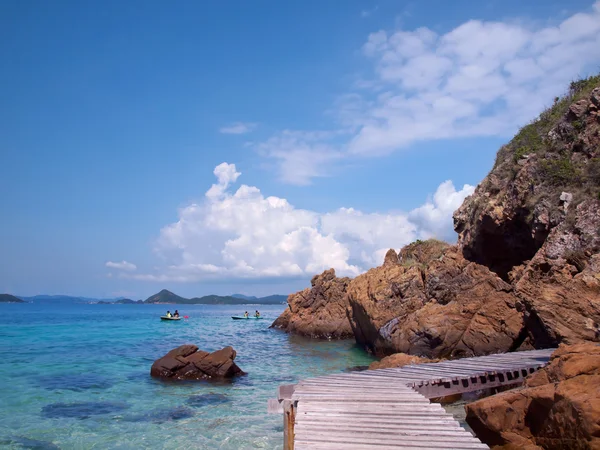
(289, 418)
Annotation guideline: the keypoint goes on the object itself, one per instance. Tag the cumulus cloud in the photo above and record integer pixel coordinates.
(241, 233)
(238, 128)
(122, 265)
(479, 79)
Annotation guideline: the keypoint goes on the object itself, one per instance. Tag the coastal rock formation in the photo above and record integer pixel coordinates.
(444, 306)
(319, 311)
(534, 220)
(398, 360)
(524, 274)
(188, 363)
(559, 407)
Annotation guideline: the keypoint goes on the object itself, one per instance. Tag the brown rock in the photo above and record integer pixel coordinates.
(595, 97)
(398, 360)
(559, 407)
(423, 252)
(536, 224)
(578, 109)
(448, 308)
(189, 363)
(391, 258)
(381, 297)
(318, 312)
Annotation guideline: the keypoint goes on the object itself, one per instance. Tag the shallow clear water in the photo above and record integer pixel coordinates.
(77, 377)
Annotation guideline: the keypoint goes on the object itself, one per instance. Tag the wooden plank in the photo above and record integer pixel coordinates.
(274, 406)
(315, 445)
(400, 421)
(383, 429)
(285, 391)
(424, 441)
(374, 410)
(397, 422)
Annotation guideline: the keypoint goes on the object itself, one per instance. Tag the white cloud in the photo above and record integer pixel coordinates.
(243, 234)
(122, 265)
(478, 79)
(302, 156)
(368, 12)
(432, 217)
(238, 128)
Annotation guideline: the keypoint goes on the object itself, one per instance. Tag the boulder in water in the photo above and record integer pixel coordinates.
(188, 363)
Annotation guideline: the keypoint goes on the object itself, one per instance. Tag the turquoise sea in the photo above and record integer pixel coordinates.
(77, 377)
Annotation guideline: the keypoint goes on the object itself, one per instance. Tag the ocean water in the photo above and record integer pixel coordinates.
(78, 377)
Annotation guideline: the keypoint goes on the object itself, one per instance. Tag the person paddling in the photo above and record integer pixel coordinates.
(169, 314)
(246, 315)
(257, 314)
(176, 314)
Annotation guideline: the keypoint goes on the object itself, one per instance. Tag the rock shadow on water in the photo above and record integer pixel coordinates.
(21, 442)
(210, 399)
(73, 382)
(82, 410)
(161, 415)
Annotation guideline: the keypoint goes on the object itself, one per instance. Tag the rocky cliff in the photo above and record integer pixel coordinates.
(525, 271)
(535, 219)
(319, 311)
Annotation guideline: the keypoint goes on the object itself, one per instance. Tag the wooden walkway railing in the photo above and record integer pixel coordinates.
(390, 408)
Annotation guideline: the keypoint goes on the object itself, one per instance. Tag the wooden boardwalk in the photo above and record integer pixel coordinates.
(390, 408)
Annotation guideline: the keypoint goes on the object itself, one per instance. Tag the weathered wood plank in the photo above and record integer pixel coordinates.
(406, 441)
(285, 391)
(405, 445)
(274, 406)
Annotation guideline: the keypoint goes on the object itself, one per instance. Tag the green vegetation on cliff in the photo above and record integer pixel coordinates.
(421, 253)
(555, 136)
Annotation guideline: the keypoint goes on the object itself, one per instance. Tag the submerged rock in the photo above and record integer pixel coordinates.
(559, 407)
(74, 382)
(210, 399)
(162, 415)
(319, 311)
(82, 410)
(21, 442)
(188, 363)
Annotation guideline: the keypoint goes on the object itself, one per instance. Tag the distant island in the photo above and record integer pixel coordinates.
(167, 297)
(163, 297)
(7, 298)
(121, 301)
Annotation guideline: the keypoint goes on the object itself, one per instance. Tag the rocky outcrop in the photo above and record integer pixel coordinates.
(534, 220)
(188, 363)
(525, 271)
(559, 406)
(448, 308)
(399, 360)
(319, 311)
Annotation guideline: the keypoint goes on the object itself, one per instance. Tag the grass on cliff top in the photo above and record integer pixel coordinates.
(422, 252)
(531, 138)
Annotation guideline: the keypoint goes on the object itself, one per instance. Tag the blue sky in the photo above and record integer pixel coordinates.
(354, 126)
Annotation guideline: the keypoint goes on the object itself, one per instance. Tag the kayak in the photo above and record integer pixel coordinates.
(245, 318)
(169, 318)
